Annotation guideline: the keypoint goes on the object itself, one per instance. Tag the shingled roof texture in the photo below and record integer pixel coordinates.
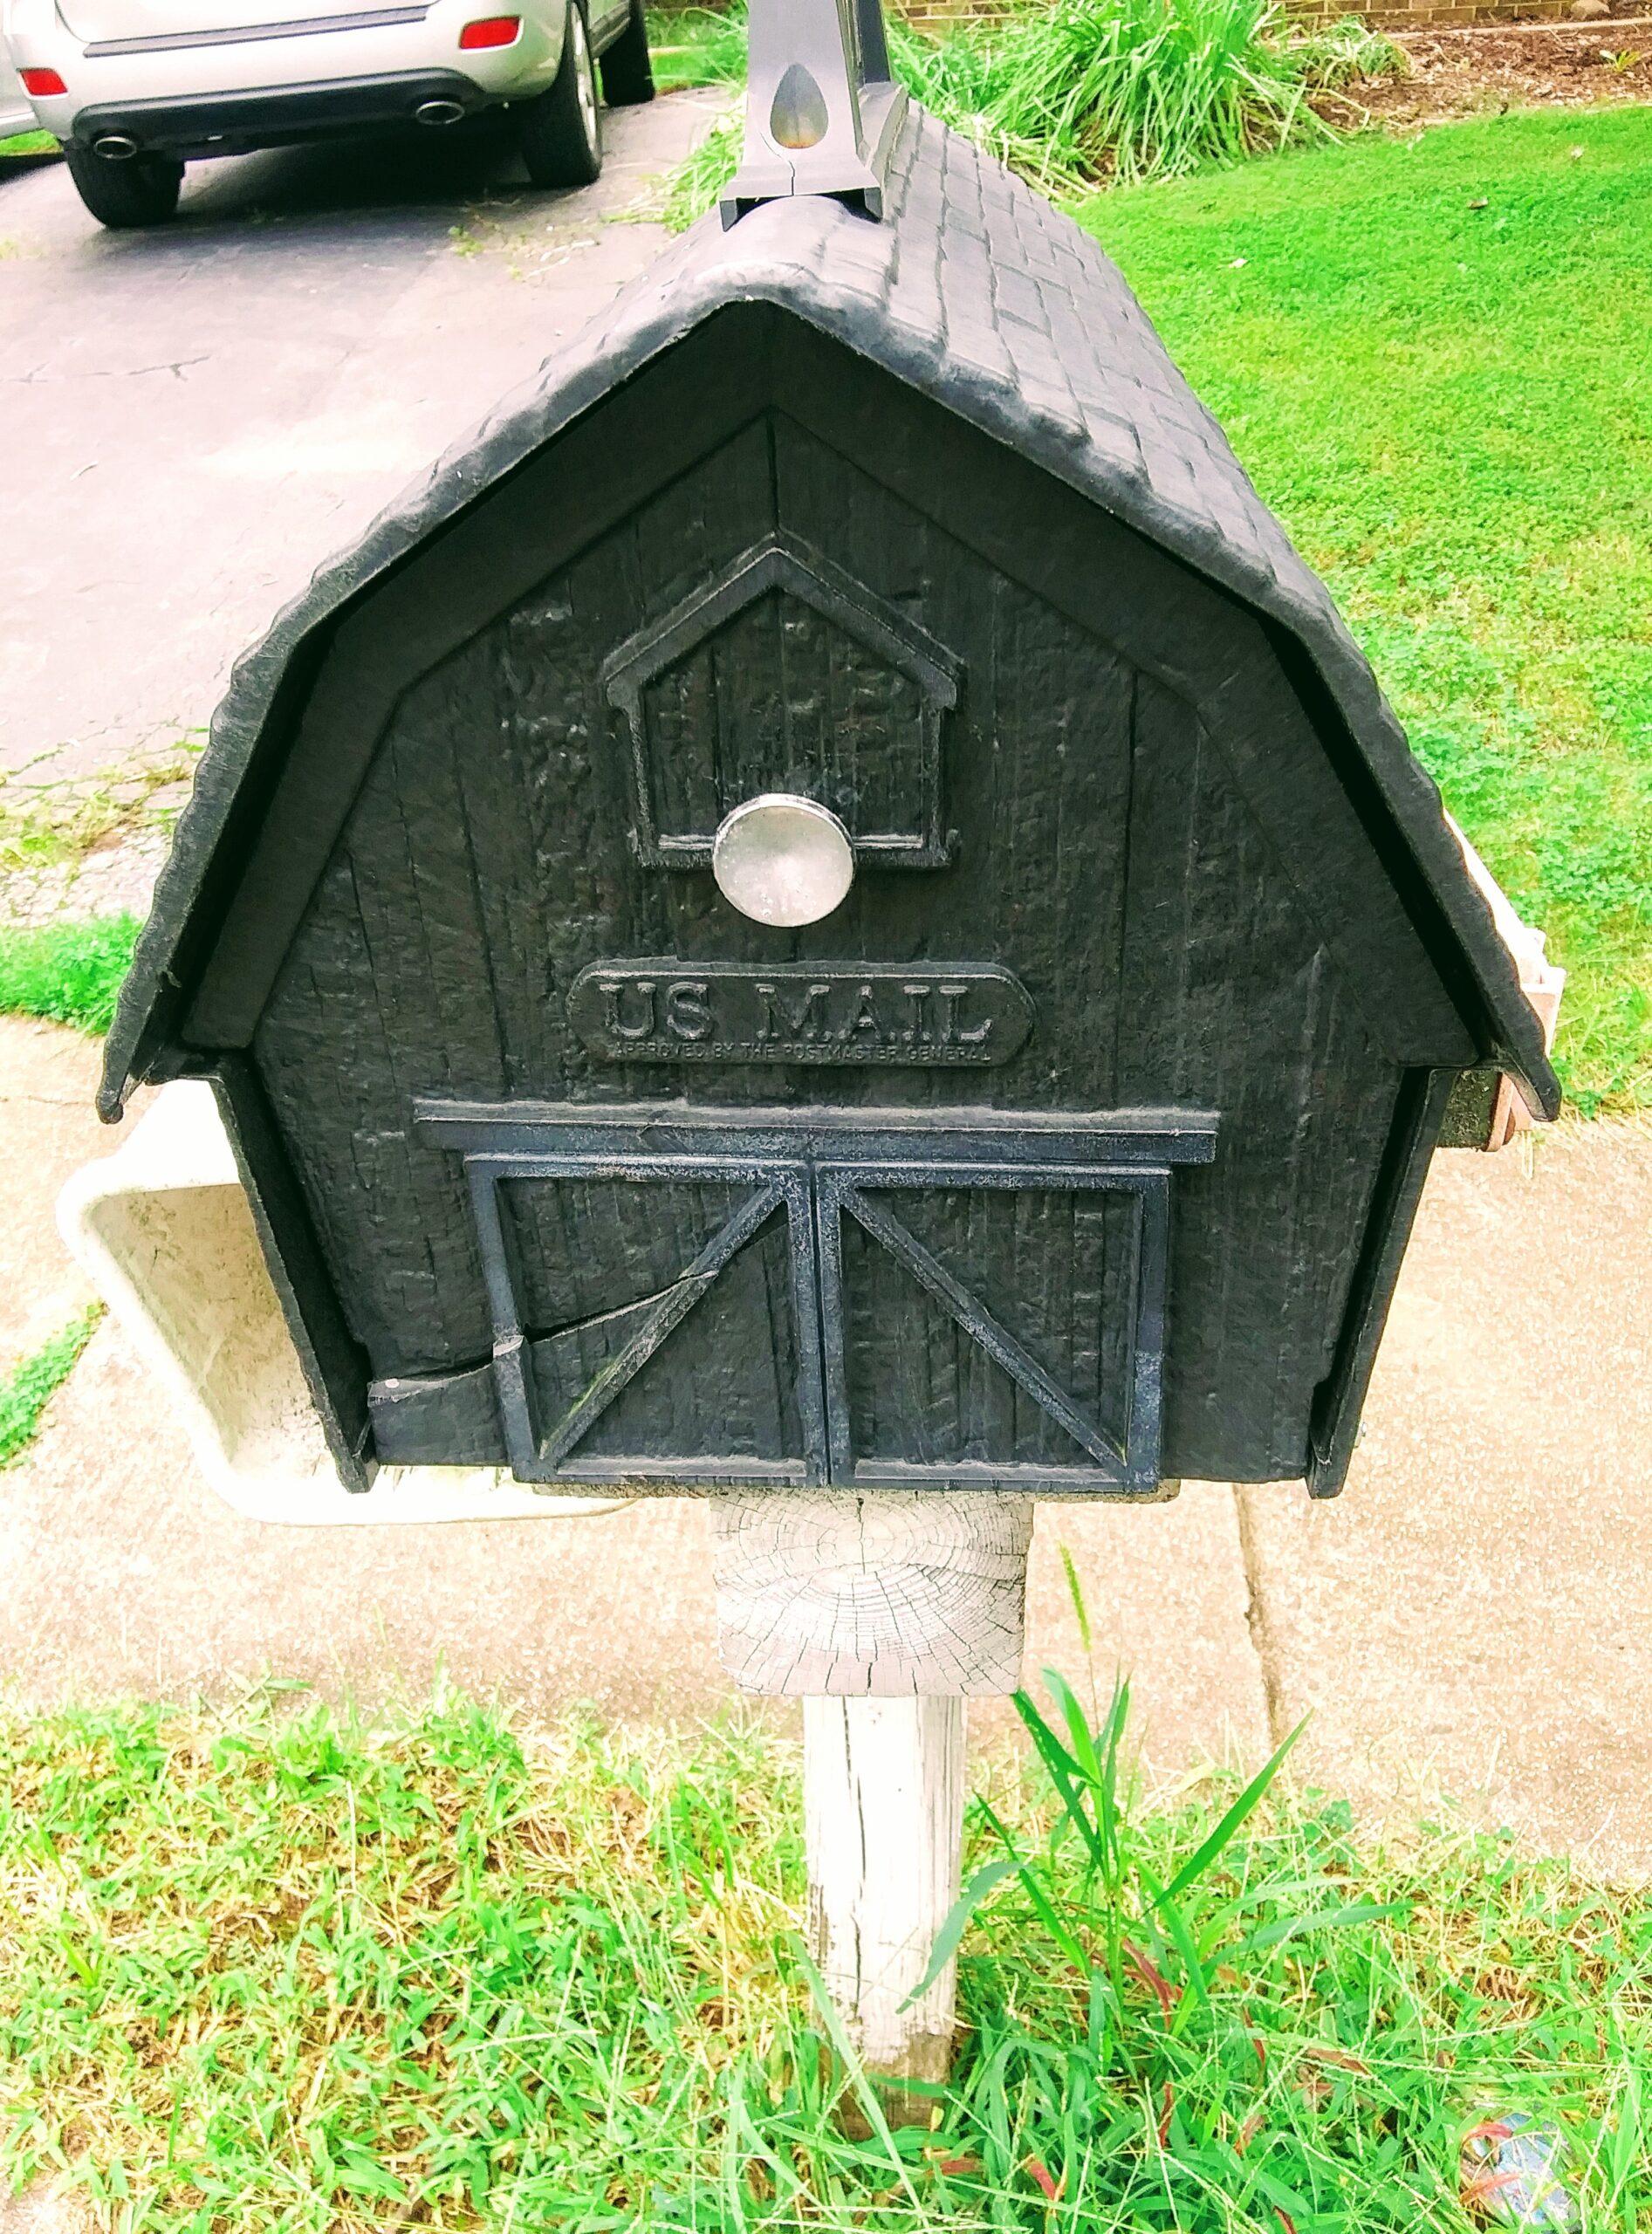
(979, 292)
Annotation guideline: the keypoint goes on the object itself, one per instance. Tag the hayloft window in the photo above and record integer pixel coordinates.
(785, 676)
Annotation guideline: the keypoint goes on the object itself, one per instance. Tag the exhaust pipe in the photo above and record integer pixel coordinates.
(115, 147)
(438, 113)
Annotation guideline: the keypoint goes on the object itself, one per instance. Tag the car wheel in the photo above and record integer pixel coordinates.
(560, 132)
(141, 190)
(627, 71)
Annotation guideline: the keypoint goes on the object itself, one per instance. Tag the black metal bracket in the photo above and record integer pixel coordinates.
(821, 110)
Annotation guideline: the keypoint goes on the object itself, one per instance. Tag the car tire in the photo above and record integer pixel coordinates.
(142, 190)
(627, 68)
(560, 133)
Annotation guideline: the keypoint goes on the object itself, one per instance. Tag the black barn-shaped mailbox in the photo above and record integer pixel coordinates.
(1075, 1149)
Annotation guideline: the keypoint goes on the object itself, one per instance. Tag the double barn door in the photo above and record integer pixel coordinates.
(850, 1300)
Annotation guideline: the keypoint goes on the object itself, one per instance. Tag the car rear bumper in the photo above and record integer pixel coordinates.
(275, 83)
(16, 114)
(275, 116)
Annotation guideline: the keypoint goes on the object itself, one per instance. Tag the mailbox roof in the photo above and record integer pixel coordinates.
(978, 293)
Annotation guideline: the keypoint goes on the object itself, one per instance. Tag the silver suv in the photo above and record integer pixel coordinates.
(135, 89)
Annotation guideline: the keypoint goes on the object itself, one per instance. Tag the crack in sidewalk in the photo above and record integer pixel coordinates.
(41, 378)
(1257, 1618)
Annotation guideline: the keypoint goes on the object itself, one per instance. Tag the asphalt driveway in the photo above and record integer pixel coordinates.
(194, 417)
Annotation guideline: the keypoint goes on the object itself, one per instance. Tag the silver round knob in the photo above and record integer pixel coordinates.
(783, 859)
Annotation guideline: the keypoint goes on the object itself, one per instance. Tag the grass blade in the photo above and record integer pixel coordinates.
(957, 1917)
(1065, 1775)
(1161, 1901)
(1043, 1906)
(866, 2093)
(1275, 1935)
(1233, 1822)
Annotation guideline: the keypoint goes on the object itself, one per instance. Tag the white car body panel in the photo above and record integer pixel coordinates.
(130, 20)
(16, 114)
(123, 52)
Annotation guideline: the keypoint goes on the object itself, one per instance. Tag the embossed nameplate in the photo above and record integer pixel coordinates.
(800, 1012)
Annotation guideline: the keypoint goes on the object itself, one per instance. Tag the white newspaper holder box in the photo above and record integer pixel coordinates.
(163, 1231)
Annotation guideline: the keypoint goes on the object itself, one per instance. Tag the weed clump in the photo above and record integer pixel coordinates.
(26, 1391)
(1131, 90)
(67, 973)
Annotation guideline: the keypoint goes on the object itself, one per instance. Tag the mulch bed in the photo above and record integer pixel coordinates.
(1482, 73)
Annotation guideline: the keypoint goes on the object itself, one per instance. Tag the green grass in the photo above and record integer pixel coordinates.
(269, 1967)
(697, 46)
(26, 1391)
(47, 825)
(1432, 356)
(29, 143)
(69, 973)
(694, 185)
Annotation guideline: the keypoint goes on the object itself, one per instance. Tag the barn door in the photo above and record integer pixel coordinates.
(708, 1369)
(998, 1321)
(814, 1304)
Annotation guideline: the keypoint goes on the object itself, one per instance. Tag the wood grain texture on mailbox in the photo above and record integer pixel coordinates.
(1034, 1099)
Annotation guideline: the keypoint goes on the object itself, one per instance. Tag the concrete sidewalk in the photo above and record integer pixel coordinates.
(1474, 1614)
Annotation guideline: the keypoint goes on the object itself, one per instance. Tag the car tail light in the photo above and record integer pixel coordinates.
(41, 82)
(490, 30)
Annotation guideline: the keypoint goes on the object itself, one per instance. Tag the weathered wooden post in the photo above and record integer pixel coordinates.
(884, 1614)
(883, 1819)
(826, 915)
